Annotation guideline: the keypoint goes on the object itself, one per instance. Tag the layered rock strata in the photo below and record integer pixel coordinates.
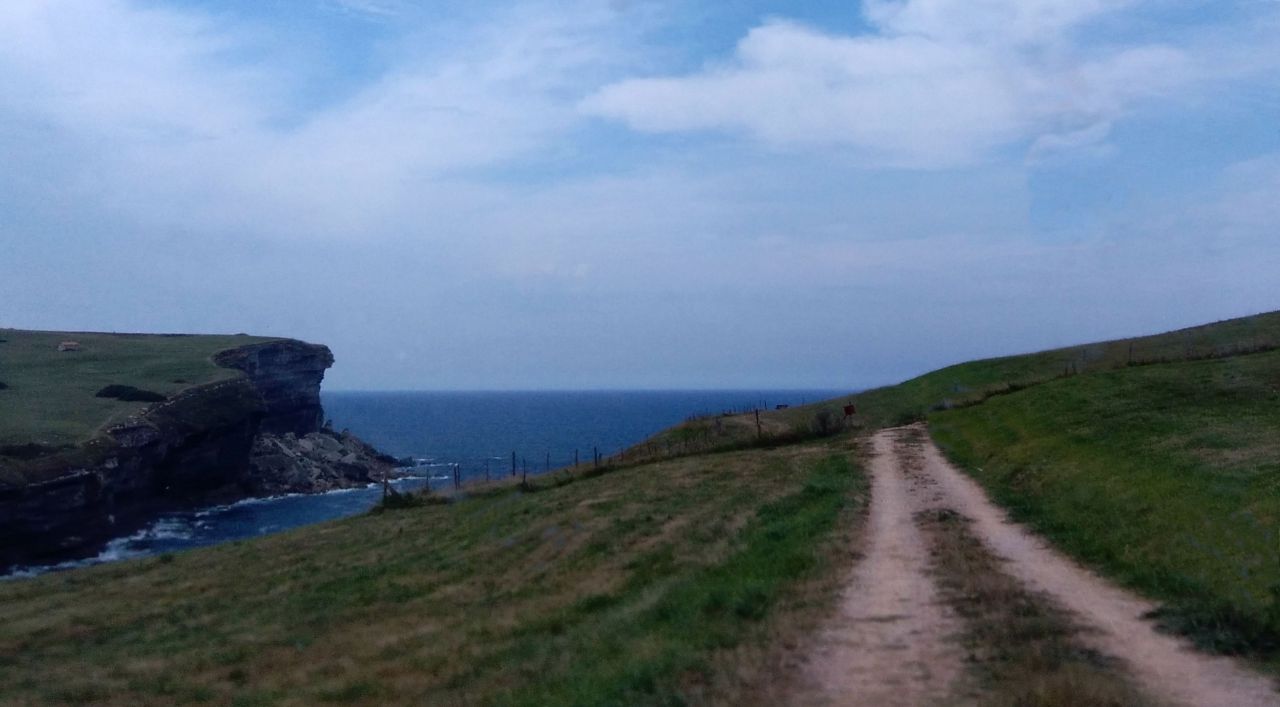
(257, 434)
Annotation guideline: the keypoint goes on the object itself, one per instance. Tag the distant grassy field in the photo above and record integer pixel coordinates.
(48, 397)
(972, 382)
(1165, 477)
(656, 584)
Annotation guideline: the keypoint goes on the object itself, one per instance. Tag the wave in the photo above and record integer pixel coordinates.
(116, 549)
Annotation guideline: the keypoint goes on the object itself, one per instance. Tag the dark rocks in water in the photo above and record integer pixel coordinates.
(313, 463)
(4, 386)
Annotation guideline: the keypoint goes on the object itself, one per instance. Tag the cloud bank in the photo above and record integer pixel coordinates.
(933, 83)
(516, 195)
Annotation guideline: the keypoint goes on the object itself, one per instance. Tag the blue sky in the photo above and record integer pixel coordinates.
(633, 193)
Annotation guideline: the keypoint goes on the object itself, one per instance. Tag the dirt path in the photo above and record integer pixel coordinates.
(890, 641)
(1166, 667)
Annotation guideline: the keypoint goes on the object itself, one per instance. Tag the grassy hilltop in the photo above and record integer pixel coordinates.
(49, 396)
(1155, 460)
(974, 382)
(684, 572)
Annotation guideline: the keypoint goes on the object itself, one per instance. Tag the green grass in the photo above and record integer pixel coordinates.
(967, 383)
(653, 584)
(975, 381)
(50, 398)
(1166, 478)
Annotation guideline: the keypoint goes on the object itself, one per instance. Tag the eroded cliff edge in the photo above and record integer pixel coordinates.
(260, 433)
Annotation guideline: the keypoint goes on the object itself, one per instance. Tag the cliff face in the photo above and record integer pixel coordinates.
(287, 375)
(212, 443)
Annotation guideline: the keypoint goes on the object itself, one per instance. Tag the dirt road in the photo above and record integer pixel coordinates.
(888, 643)
(893, 639)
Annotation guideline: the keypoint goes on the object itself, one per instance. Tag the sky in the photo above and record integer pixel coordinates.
(639, 193)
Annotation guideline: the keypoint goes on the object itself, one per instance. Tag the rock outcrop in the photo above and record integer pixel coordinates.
(313, 463)
(257, 434)
(287, 376)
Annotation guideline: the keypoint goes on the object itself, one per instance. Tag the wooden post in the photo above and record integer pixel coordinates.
(595, 456)
(524, 475)
(513, 464)
(575, 459)
(758, 435)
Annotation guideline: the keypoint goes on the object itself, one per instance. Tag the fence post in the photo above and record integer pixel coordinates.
(513, 464)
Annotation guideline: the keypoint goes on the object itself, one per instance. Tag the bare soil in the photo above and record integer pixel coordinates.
(888, 643)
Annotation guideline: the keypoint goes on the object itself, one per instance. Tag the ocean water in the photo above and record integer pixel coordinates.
(475, 430)
(438, 430)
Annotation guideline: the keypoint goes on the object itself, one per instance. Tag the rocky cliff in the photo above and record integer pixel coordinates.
(257, 434)
(287, 375)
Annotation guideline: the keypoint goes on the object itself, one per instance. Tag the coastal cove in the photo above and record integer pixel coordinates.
(438, 430)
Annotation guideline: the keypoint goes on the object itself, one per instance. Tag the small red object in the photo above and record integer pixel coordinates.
(850, 410)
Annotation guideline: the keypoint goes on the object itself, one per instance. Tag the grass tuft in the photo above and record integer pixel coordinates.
(1023, 649)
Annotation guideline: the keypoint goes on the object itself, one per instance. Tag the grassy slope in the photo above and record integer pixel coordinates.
(1166, 478)
(651, 584)
(972, 382)
(1164, 475)
(967, 382)
(49, 397)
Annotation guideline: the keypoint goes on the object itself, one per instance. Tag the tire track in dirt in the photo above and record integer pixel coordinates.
(892, 640)
(1168, 668)
(887, 644)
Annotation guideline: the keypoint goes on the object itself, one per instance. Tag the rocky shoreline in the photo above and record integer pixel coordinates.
(314, 463)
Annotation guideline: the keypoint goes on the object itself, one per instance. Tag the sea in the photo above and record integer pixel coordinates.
(437, 434)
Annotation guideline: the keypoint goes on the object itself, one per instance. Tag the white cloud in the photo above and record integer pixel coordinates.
(124, 72)
(179, 118)
(159, 171)
(987, 21)
(375, 8)
(938, 83)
